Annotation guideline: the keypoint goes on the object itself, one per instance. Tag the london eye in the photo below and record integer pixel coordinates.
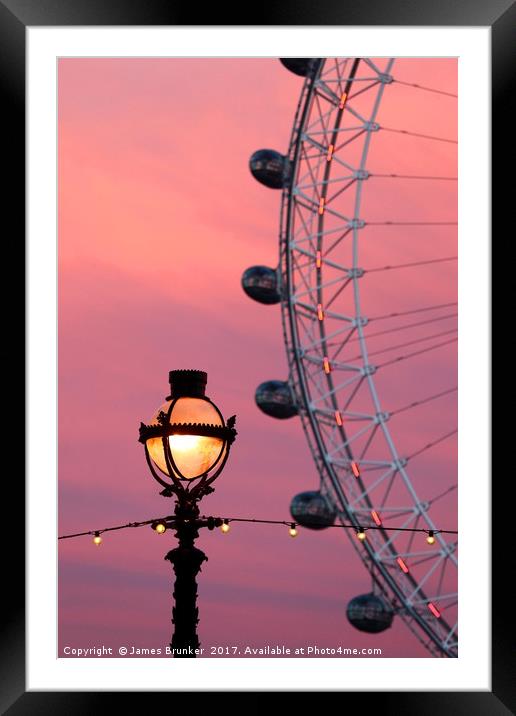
(366, 282)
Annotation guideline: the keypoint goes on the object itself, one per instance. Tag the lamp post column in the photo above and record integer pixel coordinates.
(186, 560)
(187, 444)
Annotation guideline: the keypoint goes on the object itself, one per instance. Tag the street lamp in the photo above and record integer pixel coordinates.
(187, 444)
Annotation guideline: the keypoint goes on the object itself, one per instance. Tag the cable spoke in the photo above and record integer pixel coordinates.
(423, 401)
(413, 310)
(412, 264)
(428, 89)
(431, 445)
(403, 345)
(411, 176)
(421, 136)
(395, 329)
(416, 353)
(442, 494)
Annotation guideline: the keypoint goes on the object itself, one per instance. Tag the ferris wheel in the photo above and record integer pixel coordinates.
(367, 286)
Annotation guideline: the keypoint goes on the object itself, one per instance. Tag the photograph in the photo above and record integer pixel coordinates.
(257, 357)
(257, 354)
(257, 374)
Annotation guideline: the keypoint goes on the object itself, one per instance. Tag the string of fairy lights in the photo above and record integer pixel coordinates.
(161, 524)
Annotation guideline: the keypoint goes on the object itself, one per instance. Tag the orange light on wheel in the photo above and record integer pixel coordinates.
(434, 610)
(402, 565)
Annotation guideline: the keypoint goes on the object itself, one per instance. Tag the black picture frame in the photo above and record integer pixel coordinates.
(15, 17)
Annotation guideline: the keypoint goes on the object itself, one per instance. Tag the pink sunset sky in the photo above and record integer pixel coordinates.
(158, 218)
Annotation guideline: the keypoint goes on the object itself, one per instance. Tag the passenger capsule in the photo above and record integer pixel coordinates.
(369, 613)
(301, 66)
(269, 168)
(261, 284)
(312, 510)
(274, 398)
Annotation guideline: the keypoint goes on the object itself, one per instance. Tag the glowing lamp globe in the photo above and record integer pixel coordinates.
(192, 454)
(187, 437)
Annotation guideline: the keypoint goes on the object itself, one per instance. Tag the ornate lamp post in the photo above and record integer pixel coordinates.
(187, 444)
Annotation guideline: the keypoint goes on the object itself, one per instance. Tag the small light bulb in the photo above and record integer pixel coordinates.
(161, 527)
(224, 528)
(430, 539)
(292, 530)
(97, 539)
(361, 535)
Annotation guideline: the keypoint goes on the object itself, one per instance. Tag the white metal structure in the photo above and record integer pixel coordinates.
(368, 280)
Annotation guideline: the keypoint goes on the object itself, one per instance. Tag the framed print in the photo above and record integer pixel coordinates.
(261, 284)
